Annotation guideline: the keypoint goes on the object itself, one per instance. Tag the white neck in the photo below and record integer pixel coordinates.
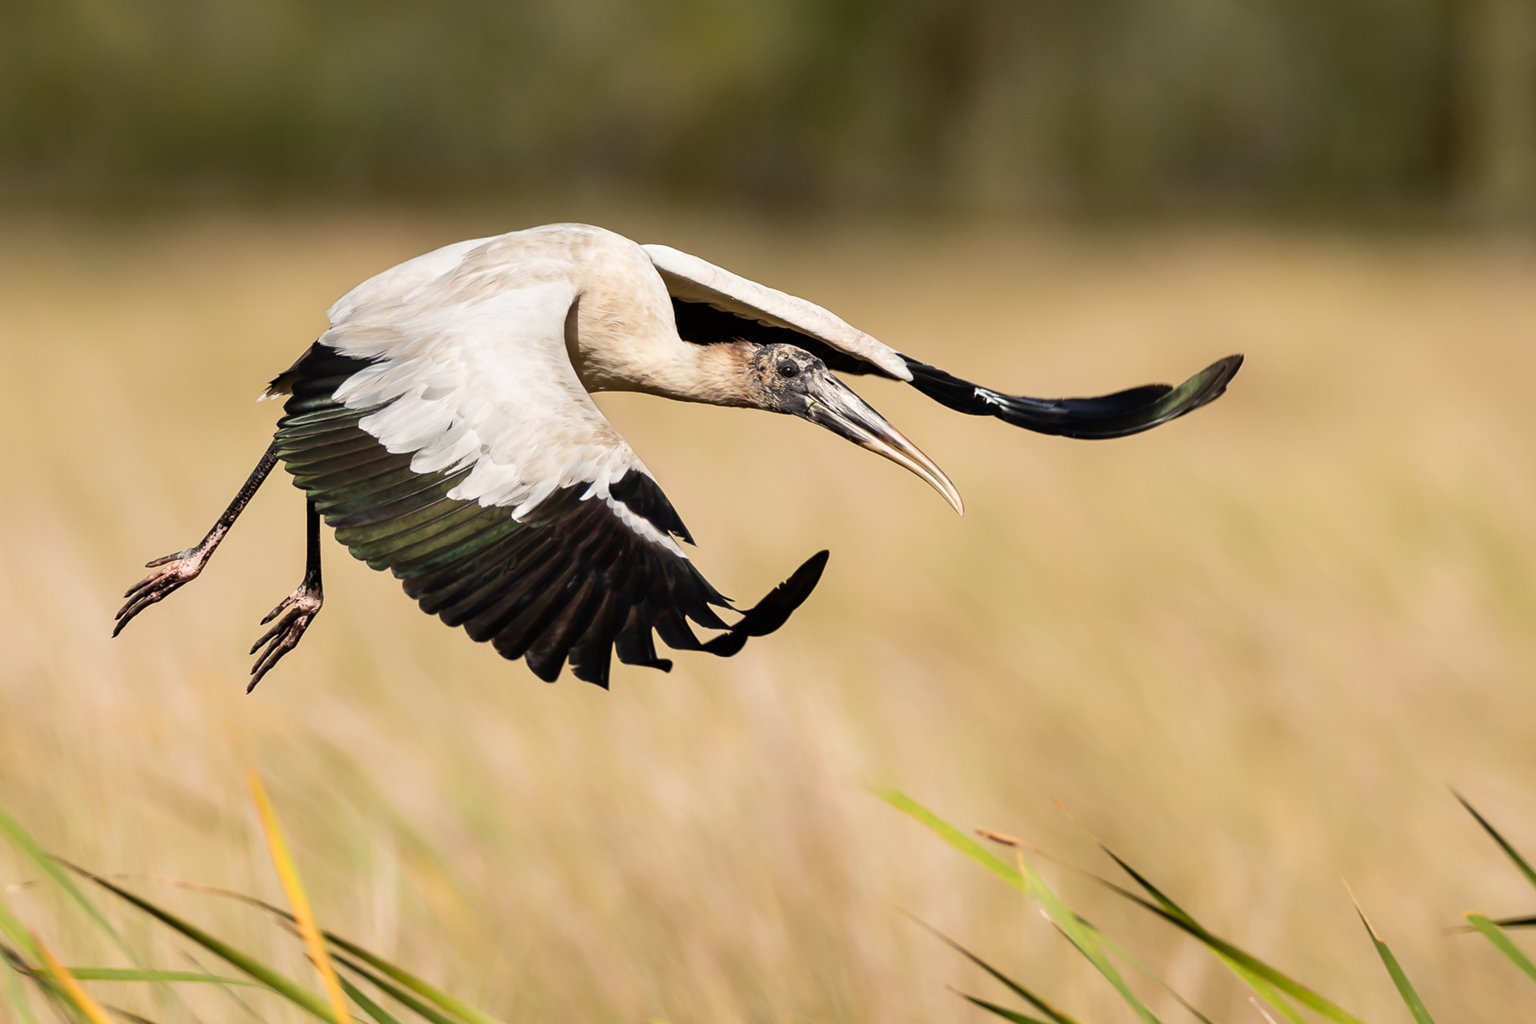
(670, 368)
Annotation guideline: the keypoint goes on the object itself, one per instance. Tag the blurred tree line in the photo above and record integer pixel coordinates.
(1092, 105)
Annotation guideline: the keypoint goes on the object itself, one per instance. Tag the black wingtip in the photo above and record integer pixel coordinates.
(774, 609)
(1118, 415)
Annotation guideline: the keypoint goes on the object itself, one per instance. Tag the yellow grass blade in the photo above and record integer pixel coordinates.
(288, 875)
(77, 995)
(394, 971)
(250, 965)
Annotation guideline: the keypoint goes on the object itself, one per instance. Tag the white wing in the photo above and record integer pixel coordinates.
(473, 365)
(694, 280)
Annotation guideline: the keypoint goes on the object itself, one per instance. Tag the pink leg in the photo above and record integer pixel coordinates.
(175, 571)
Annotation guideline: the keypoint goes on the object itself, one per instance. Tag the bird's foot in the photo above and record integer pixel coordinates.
(172, 572)
(293, 615)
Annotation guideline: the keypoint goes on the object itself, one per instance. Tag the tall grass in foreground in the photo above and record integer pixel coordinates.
(1316, 596)
(24, 957)
(1277, 990)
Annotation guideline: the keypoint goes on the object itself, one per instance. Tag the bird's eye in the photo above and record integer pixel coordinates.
(788, 369)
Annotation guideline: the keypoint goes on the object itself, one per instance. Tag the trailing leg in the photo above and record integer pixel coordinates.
(295, 612)
(175, 571)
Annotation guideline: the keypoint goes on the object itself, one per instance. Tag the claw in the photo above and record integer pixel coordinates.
(293, 615)
(172, 572)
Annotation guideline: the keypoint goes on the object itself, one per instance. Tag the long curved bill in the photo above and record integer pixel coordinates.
(836, 407)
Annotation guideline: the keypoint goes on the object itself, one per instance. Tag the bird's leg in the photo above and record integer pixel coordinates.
(295, 612)
(175, 571)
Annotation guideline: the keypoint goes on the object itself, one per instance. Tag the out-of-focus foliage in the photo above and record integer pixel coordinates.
(1111, 104)
(1253, 647)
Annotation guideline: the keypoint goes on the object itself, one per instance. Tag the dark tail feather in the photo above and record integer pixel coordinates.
(1116, 415)
(773, 610)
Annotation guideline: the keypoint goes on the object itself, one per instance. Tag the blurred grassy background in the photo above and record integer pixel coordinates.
(1251, 649)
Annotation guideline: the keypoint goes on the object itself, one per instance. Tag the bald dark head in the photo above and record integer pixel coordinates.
(785, 378)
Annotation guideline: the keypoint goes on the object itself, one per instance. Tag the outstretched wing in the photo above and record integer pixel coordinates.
(1117, 415)
(458, 449)
(712, 305)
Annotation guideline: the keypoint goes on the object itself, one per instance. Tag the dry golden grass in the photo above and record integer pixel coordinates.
(1251, 649)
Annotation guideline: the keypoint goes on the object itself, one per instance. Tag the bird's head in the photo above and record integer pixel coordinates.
(788, 379)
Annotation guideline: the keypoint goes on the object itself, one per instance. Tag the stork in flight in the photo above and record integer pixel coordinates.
(444, 428)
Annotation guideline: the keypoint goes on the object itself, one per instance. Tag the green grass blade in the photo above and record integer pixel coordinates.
(1027, 880)
(396, 993)
(268, 977)
(400, 974)
(1494, 934)
(1124, 954)
(1056, 1016)
(371, 1008)
(1269, 993)
(228, 993)
(415, 984)
(15, 991)
(1515, 922)
(1081, 936)
(29, 847)
(140, 974)
(1253, 981)
(1016, 877)
(1509, 851)
(1003, 1012)
(1264, 979)
(954, 837)
(1249, 964)
(1157, 894)
(1264, 990)
(18, 933)
(1405, 987)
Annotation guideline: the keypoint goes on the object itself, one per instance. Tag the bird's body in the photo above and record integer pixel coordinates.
(444, 427)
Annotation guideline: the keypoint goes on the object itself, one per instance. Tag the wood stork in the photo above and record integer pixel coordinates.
(444, 428)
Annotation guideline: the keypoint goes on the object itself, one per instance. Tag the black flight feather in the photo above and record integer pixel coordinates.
(570, 583)
(1117, 415)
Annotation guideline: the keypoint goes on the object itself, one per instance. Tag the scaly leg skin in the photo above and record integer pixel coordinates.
(175, 571)
(295, 612)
